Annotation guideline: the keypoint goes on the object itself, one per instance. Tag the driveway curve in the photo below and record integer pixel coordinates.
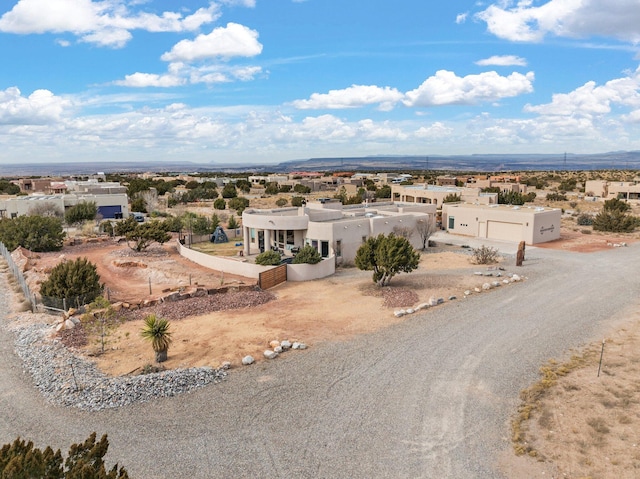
(429, 397)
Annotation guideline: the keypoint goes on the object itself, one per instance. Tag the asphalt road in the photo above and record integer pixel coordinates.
(428, 398)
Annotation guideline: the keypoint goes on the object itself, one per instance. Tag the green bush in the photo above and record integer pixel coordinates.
(239, 204)
(556, 197)
(77, 281)
(84, 211)
(35, 233)
(20, 460)
(220, 204)
(232, 223)
(280, 202)
(386, 256)
(615, 222)
(308, 254)
(268, 258)
(484, 255)
(584, 219)
(297, 201)
(229, 191)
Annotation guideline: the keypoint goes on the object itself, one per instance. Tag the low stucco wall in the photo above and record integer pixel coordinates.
(233, 266)
(307, 272)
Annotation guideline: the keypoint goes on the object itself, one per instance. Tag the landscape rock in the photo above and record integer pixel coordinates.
(274, 344)
(270, 354)
(467, 292)
(285, 344)
(397, 314)
(226, 365)
(486, 287)
(278, 349)
(248, 360)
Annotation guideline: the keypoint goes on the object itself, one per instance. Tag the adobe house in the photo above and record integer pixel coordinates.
(330, 227)
(433, 194)
(109, 206)
(531, 224)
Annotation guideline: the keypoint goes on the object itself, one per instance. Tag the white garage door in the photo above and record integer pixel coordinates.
(504, 231)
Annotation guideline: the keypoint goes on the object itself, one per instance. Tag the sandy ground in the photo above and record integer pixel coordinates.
(335, 308)
(585, 426)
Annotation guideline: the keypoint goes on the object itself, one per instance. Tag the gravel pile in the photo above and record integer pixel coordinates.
(173, 310)
(68, 380)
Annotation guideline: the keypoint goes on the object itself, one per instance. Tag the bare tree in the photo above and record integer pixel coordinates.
(403, 231)
(47, 209)
(150, 198)
(425, 228)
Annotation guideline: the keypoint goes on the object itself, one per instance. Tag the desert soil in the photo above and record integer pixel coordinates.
(584, 427)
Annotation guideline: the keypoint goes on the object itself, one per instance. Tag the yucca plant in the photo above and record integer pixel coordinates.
(157, 331)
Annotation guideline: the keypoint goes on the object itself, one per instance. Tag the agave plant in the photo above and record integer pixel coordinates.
(157, 331)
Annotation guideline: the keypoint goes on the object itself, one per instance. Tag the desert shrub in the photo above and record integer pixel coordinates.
(125, 226)
(451, 198)
(106, 227)
(584, 219)
(86, 210)
(615, 222)
(147, 233)
(297, 201)
(302, 189)
(616, 204)
(484, 255)
(220, 204)
(268, 258)
(386, 256)
(556, 197)
(77, 281)
(232, 223)
(573, 204)
(229, 191)
(138, 204)
(157, 332)
(280, 202)
(173, 224)
(586, 232)
(85, 460)
(308, 254)
(239, 204)
(35, 233)
(271, 188)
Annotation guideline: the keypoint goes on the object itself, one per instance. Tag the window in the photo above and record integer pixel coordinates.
(339, 248)
(324, 249)
(290, 237)
(451, 222)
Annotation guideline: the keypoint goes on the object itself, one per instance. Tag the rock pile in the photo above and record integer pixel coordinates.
(68, 380)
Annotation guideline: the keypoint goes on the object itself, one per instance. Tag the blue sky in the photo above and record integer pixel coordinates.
(262, 81)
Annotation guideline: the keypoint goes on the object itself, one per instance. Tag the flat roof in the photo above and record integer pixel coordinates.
(522, 208)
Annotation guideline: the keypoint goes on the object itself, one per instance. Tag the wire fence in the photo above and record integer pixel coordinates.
(17, 274)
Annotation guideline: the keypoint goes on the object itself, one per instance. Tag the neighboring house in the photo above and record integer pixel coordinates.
(109, 206)
(432, 194)
(606, 190)
(531, 224)
(95, 187)
(330, 227)
(504, 185)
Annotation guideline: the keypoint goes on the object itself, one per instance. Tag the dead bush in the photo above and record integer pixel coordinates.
(484, 255)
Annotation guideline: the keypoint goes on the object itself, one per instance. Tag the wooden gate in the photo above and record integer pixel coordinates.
(273, 277)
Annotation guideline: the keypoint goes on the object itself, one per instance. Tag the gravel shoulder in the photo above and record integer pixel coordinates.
(427, 397)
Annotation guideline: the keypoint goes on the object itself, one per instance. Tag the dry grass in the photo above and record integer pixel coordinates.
(220, 249)
(532, 396)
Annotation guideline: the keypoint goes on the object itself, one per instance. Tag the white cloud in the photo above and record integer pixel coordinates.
(591, 100)
(41, 107)
(446, 88)
(436, 130)
(242, 3)
(141, 80)
(234, 40)
(461, 17)
(353, 97)
(106, 23)
(503, 61)
(567, 18)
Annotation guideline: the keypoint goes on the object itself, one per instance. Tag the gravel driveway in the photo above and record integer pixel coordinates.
(430, 397)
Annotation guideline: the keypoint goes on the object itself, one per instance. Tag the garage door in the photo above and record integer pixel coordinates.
(504, 231)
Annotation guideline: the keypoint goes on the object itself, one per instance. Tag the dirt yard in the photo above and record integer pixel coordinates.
(584, 427)
(309, 312)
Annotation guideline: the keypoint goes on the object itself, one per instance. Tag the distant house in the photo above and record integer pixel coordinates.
(606, 190)
(109, 206)
(432, 194)
(330, 227)
(531, 224)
